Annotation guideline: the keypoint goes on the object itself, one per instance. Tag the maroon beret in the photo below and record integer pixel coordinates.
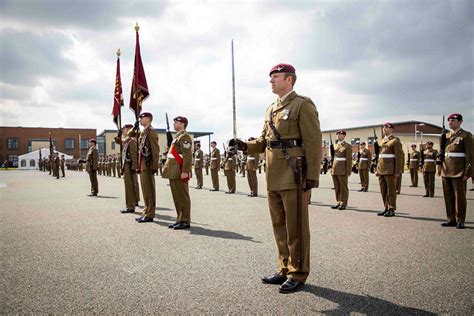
(455, 116)
(92, 140)
(283, 68)
(362, 143)
(127, 126)
(341, 132)
(181, 119)
(413, 145)
(146, 114)
(429, 142)
(388, 124)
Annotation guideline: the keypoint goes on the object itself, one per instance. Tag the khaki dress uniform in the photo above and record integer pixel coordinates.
(413, 166)
(457, 164)
(148, 158)
(243, 166)
(129, 171)
(390, 163)
(62, 163)
(113, 166)
(363, 167)
(398, 186)
(230, 166)
(118, 166)
(215, 167)
(172, 170)
(92, 161)
(207, 162)
(341, 170)
(198, 163)
(429, 170)
(296, 120)
(252, 162)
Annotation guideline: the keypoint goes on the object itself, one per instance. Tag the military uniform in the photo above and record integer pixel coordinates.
(243, 164)
(296, 120)
(198, 163)
(413, 166)
(215, 167)
(148, 157)
(129, 171)
(398, 185)
(92, 161)
(429, 170)
(456, 165)
(62, 162)
(113, 166)
(341, 170)
(56, 164)
(252, 162)
(207, 162)
(230, 165)
(390, 163)
(179, 161)
(363, 167)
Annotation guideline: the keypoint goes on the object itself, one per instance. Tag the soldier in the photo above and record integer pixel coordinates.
(118, 165)
(290, 123)
(243, 165)
(429, 169)
(177, 170)
(129, 168)
(215, 166)
(109, 165)
(363, 167)
(252, 161)
(56, 163)
(198, 161)
(389, 168)
(341, 170)
(207, 162)
(455, 169)
(230, 164)
(91, 166)
(398, 185)
(148, 157)
(325, 164)
(113, 163)
(413, 165)
(160, 167)
(62, 162)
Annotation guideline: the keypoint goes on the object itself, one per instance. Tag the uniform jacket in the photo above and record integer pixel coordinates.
(198, 159)
(252, 162)
(364, 164)
(148, 148)
(342, 168)
(295, 118)
(430, 154)
(388, 166)
(129, 153)
(62, 161)
(230, 163)
(183, 146)
(215, 159)
(415, 157)
(92, 159)
(460, 142)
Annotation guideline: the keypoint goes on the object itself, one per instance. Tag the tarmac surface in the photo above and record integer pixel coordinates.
(64, 252)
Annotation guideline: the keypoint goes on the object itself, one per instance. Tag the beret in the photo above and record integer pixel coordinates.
(455, 116)
(388, 124)
(341, 132)
(181, 119)
(127, 126)
(146, 114)
(283, 68)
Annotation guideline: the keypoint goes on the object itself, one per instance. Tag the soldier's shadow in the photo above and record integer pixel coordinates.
(221, 234)
(349, 303)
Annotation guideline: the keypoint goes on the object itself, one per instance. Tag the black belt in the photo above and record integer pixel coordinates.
(285, 143)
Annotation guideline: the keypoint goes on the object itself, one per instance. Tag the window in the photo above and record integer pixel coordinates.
(112, 144)
(69, 144)
(355, 141)
(371, 140)
(12, 143)
(13, 159)
(32, 163)
(23, 163)
(84, 144)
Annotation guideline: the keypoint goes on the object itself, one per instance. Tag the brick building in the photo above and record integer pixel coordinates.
(16, 141)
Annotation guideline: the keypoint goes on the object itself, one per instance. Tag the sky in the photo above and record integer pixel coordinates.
(361, 62)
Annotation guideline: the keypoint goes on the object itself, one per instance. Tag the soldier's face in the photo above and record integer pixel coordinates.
(341, 137)
(145, 121)
(362, 146)
(454, 124)
(279, 83)
(413, 148)
(429, 146)
(387, 130)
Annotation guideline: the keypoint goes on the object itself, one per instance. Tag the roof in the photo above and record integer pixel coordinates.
(161, 130)
(380, 125)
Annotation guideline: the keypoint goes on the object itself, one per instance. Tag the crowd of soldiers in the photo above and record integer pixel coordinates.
(291, 142)
(53, 164)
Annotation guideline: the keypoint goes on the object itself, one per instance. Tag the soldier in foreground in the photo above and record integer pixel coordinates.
(56, 163)
(291, 122)
(455, 166)
(198, 163)
(177, 169)
(62, 162)
(363, 167)
(429, 169)
(252, 161)
(148, 156)
(92, 161)
(341, 170)
(413, 165)
(129, 168)
(215, 166)
(230, 165)
(389, 169)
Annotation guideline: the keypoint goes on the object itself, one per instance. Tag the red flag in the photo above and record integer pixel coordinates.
(139, 86)
(118, 97)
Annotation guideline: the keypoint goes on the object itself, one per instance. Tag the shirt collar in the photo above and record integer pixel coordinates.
(282, 99)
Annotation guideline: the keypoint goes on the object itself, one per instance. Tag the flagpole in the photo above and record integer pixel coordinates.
(234, 119)
(119, 119)
(137, 28)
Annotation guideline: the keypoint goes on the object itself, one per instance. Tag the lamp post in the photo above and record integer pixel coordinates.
(416, 131)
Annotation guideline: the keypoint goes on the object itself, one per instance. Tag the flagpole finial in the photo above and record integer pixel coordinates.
(118, 52)
(137, 28)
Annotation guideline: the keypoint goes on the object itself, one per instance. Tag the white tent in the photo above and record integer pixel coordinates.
(30, 160)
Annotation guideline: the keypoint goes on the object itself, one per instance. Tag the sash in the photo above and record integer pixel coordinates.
(179, 160)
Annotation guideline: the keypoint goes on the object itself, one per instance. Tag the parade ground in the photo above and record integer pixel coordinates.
(64, 252)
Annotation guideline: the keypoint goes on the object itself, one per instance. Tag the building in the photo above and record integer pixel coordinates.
(16, 141)
(107, 146)
(409, 132)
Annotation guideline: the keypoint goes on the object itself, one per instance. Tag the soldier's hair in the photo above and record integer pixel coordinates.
(292, 76)
(213, 142)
